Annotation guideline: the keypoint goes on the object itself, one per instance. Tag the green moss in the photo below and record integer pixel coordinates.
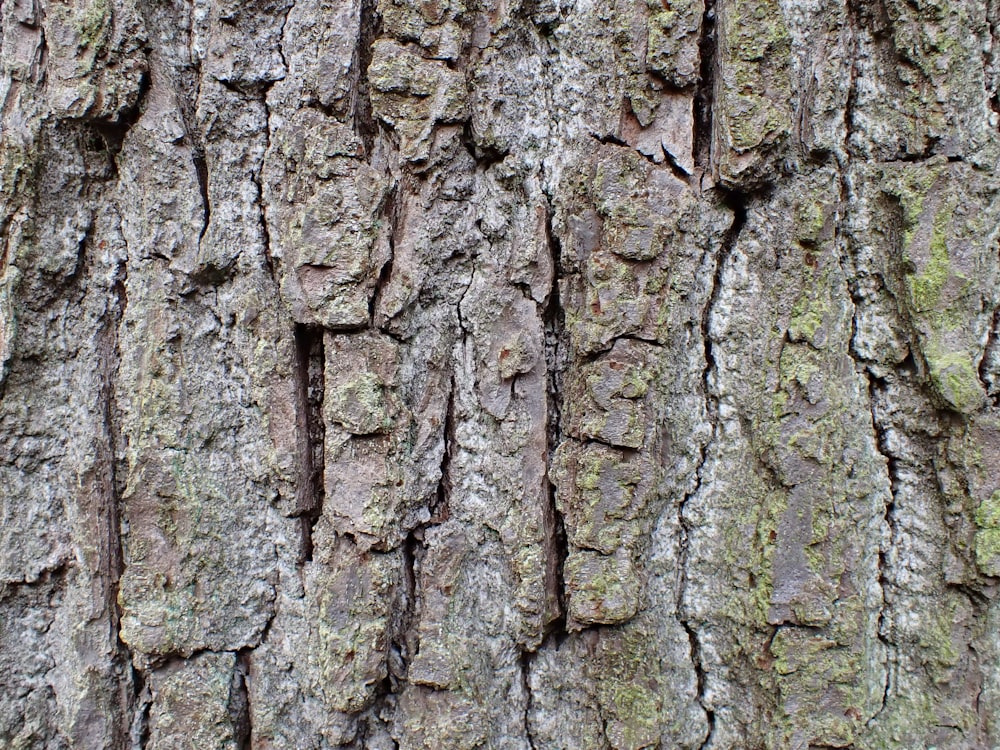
(988, 551)
(987, 515)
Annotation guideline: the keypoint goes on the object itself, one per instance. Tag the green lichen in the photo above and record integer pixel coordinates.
(810, 220)
(910, 186)
(91, 25)
(628, 692)
(773, 506)
(925, 288)
(955, 379)
(757, 57)
(807, 318)
(361, 405)
(937, 636)
(797, 366)
(987, 539)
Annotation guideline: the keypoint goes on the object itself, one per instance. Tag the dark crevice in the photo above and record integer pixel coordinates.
(485, 156)
(390, 215)
(139, 731)
(258, 180)
(247, 89)
(113, 132)
(679, 172)
(384, 692)
(384, 274)
(989, 63)
(668, 161)
(281, 37)
(556, 343)
(736, 202)
(266, 240)
(365, 125)
(875, 386)
(403, 644)
(440, 509)
(41, 578)
(991, 357)
(613, 140)
(201, 170)
(239, 702)
(310, 431)
(705, 94)
(696, 660)
(107, 450)
(404, 613)
(626, 450)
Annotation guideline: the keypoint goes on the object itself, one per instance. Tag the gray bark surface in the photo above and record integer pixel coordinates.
(515, 374)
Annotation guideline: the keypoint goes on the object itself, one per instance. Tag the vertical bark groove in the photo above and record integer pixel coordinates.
(402, 374)
(310, 376)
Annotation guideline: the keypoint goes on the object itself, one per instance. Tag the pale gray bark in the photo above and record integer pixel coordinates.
(499, 374)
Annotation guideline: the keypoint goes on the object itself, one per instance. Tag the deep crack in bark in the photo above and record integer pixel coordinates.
(556, 348)
(737, 202)
(107, 459)
(705, 93)
(883, 449)
(239, 702)
(526, 658)
(364, 122)
(310, 431)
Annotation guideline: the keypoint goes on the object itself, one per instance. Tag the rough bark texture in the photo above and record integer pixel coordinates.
(499, 374)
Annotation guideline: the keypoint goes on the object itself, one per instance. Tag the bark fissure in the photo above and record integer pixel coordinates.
(239, 702)
(737, 202)
(591, 594)
(991, 358)
(201, 172)
(108, 455)
(401, 639)
(139, 731)
(525, 664)
(881, 445)
(365, 125)
(391, 212)
(440, 508)
(669, 160)
(845, 161)
(705, 91)
(258, 180)
(310, 430)
(556, 348)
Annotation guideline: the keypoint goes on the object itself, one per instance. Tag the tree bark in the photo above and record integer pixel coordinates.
(499, 374)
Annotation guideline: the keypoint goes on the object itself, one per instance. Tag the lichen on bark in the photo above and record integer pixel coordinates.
(542, 374)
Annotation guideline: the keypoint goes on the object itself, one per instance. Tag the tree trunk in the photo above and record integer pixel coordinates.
(499, 374)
